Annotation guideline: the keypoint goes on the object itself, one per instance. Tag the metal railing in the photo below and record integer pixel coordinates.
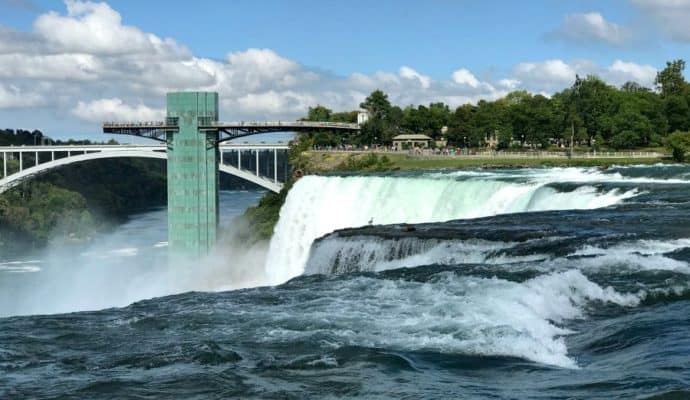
(287, 124)
(239, 124)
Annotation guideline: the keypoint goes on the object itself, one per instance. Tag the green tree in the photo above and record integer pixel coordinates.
(377, 105)
(677, 113)
(679, 143)
(670, 80)
(461, 127)
(319, 113)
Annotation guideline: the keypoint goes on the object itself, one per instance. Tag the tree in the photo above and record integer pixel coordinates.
(461, 127)
(377, 105)
(319, 113)
(593, 101)
(679, 143)
(670, 80)
(677, 113)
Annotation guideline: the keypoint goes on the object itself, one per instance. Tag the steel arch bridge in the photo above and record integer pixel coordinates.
(31, 161)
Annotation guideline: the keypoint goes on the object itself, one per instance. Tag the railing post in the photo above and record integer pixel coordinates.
(275, 165)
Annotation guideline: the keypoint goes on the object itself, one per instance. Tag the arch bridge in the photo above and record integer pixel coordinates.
(262, 164)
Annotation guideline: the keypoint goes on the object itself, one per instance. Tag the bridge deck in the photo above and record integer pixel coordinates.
(158, 129)
(116, 147)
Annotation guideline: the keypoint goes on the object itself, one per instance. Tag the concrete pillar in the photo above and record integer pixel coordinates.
(192, 174)
(4, 164)
(256, 153)
(21, 162)
(36, 159)
(275, 165)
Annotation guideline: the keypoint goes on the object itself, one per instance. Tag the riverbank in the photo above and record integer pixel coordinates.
(325, 162)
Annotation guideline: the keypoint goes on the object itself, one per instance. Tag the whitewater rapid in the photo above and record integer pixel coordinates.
(318, 205)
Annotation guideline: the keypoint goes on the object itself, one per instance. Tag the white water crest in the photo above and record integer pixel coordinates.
(320, 205)
(450, 314)
(335, 254)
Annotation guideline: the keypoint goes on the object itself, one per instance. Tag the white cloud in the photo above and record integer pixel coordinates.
(124, 72)
(409, 73)
(509, 83)
(672, 16)
(592, 27)
(96, 28)
(553, 75)
(642, 74)
(115, 110)
(465, 77)
(547, 75)
(13, 97)
(78, 67)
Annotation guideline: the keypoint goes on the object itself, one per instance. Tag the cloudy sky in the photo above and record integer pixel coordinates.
(65, 66)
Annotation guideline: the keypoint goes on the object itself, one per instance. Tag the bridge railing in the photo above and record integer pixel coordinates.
(286, 124)
(236, 124)
(268, 161)
(144, 124)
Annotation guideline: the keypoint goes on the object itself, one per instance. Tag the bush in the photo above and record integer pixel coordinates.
(679, 143)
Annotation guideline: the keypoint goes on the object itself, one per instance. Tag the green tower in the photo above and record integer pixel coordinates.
(192, 173)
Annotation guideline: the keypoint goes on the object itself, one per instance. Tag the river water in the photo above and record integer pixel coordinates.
(534, 283)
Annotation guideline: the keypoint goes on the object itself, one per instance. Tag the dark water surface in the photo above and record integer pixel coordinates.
(579, 304)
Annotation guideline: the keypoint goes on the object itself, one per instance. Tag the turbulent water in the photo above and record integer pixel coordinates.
(545, 283)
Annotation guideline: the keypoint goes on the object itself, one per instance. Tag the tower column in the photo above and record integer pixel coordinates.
(192, 173)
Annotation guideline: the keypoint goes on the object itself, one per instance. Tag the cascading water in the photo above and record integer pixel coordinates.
(585, 296)
(320, 205)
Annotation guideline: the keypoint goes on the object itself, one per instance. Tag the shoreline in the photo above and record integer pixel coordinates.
(320, 162)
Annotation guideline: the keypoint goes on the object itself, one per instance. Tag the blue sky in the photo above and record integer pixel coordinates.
(272, 59)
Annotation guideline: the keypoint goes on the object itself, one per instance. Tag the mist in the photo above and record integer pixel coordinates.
(127, 265)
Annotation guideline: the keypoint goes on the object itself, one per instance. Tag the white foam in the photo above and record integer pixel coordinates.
(451, 314)
(636, 255)
(319, 205)
(19, 269)
(365, 253)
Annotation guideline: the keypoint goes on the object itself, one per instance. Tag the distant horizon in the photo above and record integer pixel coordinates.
(265, 68)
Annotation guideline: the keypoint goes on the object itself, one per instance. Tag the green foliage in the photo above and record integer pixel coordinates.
(670, 80)
(679, 143)
(319, 113)
(365, 162)
(264, 216)
(377, 105)
(40, 210)
(65, 203)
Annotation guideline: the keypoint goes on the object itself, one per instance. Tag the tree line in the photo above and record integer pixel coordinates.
(589, 113)
(23, 137)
